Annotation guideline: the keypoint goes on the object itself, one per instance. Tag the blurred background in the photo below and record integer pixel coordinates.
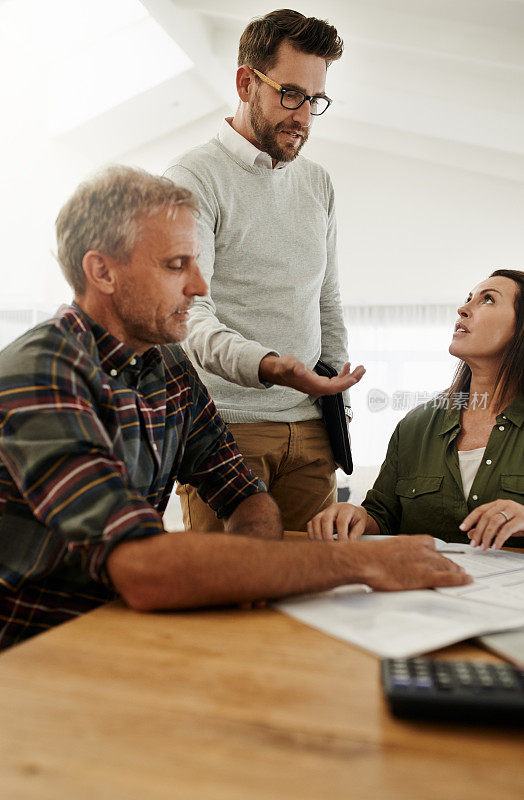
(424, 143)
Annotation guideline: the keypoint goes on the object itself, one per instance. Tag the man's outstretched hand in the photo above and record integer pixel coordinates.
(289, 371)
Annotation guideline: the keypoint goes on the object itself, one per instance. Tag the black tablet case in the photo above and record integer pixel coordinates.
(334, 415)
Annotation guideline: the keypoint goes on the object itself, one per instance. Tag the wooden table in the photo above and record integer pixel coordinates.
(226, 705)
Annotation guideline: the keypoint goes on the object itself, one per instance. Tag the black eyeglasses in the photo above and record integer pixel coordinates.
(294, 98)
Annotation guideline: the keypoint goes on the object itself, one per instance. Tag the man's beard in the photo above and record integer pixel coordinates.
(267, 134)
(143, 327)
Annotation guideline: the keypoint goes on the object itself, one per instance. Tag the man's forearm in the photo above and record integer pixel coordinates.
(185, 570)
(258, 516)
(189, 570)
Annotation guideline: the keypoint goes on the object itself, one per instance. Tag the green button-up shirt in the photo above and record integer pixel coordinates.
(419, 487)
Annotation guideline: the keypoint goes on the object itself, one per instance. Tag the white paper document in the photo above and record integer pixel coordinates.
(407, 624)
(499, 578)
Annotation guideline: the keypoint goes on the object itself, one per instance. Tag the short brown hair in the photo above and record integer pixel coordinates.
(105, 213)
(510, 378)
(263, 36)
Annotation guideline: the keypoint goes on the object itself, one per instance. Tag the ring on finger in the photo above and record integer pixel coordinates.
(505, 516)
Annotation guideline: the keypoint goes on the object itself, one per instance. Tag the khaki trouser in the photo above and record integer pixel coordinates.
(295, 462)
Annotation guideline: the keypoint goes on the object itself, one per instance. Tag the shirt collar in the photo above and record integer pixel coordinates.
(451, 420)
(514, 412)
(114, 355)
(239, 146)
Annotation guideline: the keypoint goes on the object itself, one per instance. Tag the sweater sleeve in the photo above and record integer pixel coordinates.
(211, 345)
(334, 335)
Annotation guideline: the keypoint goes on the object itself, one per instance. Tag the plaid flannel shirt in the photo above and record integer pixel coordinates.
(92, 438)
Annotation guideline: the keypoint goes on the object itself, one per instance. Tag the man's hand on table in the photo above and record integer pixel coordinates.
(407, 562)
(290, 371)
(491, 524)
(397, 564)
(401, 562)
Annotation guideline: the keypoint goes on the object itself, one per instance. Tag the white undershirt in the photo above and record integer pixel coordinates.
(469, 462)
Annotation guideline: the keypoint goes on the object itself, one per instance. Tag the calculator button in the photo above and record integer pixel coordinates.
(508, 682)
(487, 681)
(421, 682)
(400, 682)
(464, 676)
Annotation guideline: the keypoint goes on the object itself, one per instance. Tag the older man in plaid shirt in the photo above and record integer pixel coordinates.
(100, 413)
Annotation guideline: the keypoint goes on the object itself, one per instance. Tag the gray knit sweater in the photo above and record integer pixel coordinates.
(268, 252)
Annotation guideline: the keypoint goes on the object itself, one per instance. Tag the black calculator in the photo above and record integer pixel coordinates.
(462, 691)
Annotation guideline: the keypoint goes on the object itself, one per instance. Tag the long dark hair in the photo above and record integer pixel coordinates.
(510, 377)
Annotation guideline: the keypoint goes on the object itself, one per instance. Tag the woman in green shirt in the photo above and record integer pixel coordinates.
(453, 469)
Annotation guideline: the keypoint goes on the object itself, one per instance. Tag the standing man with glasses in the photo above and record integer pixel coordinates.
(267, 233)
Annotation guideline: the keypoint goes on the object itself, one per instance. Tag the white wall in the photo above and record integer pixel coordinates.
(413, 231)
(413, 226)
(410, 231)
(37, 174)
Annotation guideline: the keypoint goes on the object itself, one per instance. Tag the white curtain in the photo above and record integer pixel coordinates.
(405, 352)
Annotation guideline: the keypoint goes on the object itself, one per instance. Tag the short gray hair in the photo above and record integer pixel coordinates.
(105, 212)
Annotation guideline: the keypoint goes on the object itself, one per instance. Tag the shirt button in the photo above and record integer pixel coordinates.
(488, 461)
(475, 497)
(114, 373)
(504, 416)
(413, 490)
(501, 427)
(133, 362)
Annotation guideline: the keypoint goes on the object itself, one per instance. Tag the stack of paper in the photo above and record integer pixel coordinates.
(499, 578)
(406, 624)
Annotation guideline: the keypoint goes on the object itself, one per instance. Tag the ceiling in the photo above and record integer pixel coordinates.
(437, 84)
(441, 80)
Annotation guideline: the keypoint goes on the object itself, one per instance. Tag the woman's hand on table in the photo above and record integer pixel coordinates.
(344, 519)
(491, 524)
